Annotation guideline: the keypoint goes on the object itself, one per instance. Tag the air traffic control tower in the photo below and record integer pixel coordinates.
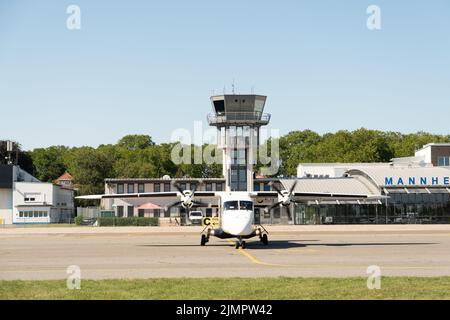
(238, 119)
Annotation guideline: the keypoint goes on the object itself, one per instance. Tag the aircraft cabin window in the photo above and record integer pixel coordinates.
(231, 205)
(246, 205)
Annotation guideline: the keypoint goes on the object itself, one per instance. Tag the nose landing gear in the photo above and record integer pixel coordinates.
(240, 244)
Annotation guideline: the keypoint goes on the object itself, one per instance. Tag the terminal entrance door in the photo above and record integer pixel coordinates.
(299, 214)
(305, 214)
(257, 212)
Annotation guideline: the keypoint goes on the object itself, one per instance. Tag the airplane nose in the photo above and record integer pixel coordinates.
(238, 225)
(238, 230)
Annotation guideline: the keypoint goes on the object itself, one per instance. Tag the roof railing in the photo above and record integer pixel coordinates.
(239, 117)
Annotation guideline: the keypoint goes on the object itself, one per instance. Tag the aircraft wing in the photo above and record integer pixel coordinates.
(318, 196)
(345, 189)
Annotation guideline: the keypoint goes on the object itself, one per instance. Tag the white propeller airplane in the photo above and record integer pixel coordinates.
(236, 209)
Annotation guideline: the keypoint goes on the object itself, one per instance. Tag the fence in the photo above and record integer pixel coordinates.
(94, 212)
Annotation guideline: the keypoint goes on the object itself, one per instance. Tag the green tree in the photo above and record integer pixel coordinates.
(135, 142)
(89, 168)
(49, 162)
(295, 147)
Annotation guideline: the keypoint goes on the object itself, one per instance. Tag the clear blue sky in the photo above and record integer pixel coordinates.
(150, 66)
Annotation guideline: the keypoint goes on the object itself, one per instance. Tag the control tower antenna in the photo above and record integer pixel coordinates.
(9, 150)
(232, 88)
(238, 119)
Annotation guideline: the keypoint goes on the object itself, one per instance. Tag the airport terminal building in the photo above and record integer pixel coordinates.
(414, 190)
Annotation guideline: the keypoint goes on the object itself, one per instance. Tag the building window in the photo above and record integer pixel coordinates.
(208, 186)
(156, 213)
(141, 213)
(266, 186)
(444, 161)
(120, 189)
(209, 212)
(166, 187)
(141, 188)
(120, 211)
(157, 187)
(219, 186)
(256, 186)
(183, 186)
(130, 188)
(130, 211)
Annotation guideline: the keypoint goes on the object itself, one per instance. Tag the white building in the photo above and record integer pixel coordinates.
(437, 154)
(26, 200)
(430, 155)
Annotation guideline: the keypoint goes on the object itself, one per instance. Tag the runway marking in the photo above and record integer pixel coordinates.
(255, 260)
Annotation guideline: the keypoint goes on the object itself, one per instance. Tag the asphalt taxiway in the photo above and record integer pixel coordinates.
(141, 252)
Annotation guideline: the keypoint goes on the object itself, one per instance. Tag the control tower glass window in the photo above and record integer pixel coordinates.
(238, 174)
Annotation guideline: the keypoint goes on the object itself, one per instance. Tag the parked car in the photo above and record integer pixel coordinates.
(196, 217)
(88, 221)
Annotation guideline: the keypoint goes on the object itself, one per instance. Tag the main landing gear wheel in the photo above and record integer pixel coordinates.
(265, 240)
(203, 240)
(240, 244)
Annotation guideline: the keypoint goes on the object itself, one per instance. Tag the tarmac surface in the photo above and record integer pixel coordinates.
(294, 251)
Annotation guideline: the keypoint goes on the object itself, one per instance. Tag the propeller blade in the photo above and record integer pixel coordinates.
(292, 187)
(273, 185)
(288, 210)
(272, 206)
(194, 188)
(167, 208)
(201, 203)
(178, 187)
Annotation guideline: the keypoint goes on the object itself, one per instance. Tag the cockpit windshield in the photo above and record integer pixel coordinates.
(234, 205)
(246, 205)
(231, 205)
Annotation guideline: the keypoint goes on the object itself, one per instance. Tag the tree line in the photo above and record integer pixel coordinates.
(137, 156)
